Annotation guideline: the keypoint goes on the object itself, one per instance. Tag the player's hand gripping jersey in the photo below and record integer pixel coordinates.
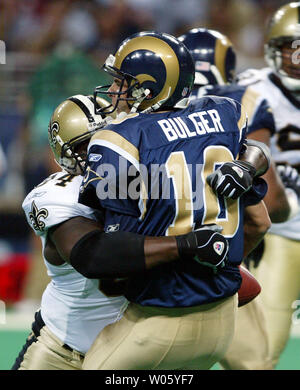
(71, 304)
(285, 145)
(148, 173)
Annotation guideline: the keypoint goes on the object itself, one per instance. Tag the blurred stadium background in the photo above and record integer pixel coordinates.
(54, 49)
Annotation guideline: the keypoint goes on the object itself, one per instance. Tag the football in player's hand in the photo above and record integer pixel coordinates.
(250, 287)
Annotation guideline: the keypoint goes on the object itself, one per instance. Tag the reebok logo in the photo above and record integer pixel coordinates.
(95, 157)
(113, 228)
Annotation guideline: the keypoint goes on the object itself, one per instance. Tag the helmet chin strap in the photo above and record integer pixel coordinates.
(139, 94)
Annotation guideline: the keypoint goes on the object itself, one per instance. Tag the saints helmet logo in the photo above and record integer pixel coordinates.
(53, 130)
(35, 215)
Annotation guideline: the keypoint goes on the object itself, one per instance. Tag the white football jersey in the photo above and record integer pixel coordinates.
(72, 306)
(285, 143)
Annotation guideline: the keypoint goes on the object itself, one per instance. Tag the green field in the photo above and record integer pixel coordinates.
(11, 343)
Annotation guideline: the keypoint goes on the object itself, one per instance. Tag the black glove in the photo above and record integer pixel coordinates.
(232, 179)
(206, 245)
(289, 177)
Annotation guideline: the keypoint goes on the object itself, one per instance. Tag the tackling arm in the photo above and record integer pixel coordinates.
(96, 254)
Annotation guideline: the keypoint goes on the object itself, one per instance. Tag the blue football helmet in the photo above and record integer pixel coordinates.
(158, 69)
(214, 56)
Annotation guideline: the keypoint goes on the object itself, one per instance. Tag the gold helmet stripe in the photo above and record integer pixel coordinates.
(222, 45)
(146, 77)
(160, 48)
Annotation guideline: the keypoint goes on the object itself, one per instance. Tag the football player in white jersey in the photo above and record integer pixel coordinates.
(279, 83)
(74, 309)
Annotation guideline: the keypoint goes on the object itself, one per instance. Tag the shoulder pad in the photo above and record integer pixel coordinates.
(251, 76)
(53, 202)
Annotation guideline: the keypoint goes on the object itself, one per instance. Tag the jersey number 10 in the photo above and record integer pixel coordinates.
(213, 206)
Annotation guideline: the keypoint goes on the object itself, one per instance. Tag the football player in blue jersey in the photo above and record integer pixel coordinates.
(215, 63)
(73, 310)
(147, 173)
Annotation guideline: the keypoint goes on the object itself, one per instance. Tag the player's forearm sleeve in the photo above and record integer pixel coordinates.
(109, 255)
(258, 155)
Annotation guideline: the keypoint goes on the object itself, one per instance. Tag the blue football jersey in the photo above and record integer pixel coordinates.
(259, 112)
(148, 173)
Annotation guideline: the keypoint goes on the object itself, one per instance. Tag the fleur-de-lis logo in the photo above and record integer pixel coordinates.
(35, 215)
(53, 130)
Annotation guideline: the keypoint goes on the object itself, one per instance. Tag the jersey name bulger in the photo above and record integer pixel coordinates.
(202, 122)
